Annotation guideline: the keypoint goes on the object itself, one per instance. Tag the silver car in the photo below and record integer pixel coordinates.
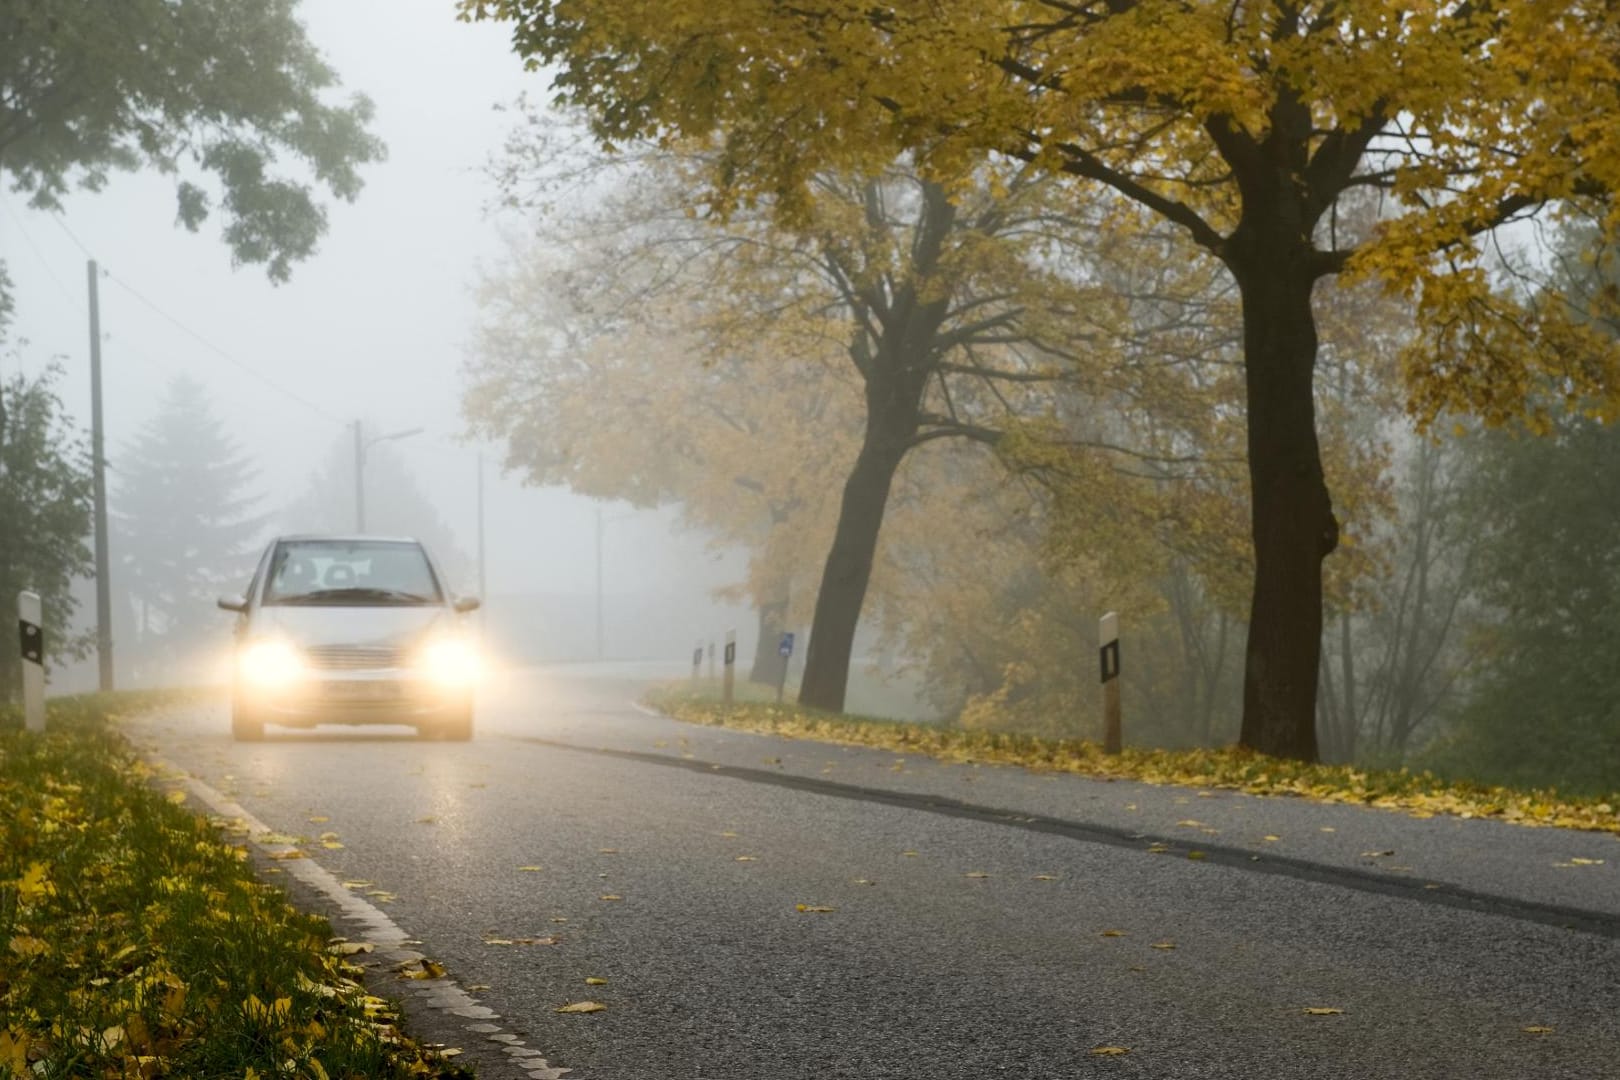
(351, 630)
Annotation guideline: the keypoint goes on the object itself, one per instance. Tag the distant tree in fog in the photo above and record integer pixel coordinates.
(395, 505)
(44, 511)
(184, 522)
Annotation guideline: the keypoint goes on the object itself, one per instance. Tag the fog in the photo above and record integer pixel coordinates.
(373, 327)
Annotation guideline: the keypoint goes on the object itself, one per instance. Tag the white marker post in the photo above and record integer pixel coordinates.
(31, 637)
(1108, 653)
(731, 666)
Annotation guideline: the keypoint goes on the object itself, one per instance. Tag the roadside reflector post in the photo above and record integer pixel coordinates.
(31, 639)
(731, 666)
(1108, 654)
(785, 651)
(697, 662)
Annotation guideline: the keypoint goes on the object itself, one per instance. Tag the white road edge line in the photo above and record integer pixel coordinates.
(645, 710)
(380, 930)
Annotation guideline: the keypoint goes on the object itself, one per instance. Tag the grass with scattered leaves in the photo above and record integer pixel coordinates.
(1422, 794)
(136, 942)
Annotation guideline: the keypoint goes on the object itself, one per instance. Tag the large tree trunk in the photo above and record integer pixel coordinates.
(848, 571)
(1293, 523)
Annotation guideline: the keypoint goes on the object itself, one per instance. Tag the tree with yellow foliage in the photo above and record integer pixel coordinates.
(1242, 124)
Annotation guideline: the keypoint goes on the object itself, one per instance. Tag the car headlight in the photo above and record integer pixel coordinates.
(449, 661)
(270, 664)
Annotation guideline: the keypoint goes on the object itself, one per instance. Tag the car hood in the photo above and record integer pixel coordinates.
(333, 625)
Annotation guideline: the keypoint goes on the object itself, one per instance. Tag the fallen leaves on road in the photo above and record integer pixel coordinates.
(421, 969)
(745, 858)
(1110, 1051)
(1321, 1010)
(1375, 854)
(592, 980)
(977, 874)
(1162, 945)
(813, 909)
(349, 948)
(1577, 861)
(520, 941)
(1114, 933)
(1537, 1029)
(531, 869)
(610, 896)
(1044, 877)
(583, 1007)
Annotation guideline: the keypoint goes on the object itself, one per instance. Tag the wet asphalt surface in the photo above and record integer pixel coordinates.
(985, 921)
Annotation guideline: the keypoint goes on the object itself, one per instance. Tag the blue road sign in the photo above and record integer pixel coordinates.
(786, 648)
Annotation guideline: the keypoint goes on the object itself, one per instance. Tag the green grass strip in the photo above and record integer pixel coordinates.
(136, 942)
(1419, 793)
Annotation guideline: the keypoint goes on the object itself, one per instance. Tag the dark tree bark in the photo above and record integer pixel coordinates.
(896, 365)
(1294, 528)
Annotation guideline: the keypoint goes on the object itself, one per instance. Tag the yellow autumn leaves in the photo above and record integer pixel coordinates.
(1420, 794)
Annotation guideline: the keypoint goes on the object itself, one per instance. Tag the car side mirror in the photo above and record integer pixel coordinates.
(237, 604)
(465, 604)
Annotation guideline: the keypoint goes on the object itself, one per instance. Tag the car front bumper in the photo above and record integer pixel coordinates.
(381, 697)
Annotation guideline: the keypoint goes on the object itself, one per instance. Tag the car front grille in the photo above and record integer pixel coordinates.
(354, 657)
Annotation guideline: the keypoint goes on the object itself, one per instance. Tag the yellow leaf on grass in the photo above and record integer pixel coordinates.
(34, 883)
(813, 909)
(24, 945)
(592, 980)
(176, 796)
(1110, 1051)
(1321, 1010)
(583, 1007)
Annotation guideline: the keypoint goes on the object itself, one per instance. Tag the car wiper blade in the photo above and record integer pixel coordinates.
(355, 592)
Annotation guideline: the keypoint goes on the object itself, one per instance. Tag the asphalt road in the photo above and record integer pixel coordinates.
(985, 921)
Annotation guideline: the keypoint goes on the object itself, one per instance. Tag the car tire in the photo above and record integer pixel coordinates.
(459, 728)
(245, 727)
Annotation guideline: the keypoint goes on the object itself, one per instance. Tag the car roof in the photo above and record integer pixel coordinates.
(346, 538)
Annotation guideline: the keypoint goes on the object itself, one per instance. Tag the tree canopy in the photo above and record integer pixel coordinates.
(221, 87)
(1242, 125)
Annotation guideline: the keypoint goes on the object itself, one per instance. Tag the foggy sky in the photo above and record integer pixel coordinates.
(375, 325)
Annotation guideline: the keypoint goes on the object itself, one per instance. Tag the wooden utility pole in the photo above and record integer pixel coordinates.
(98, 472)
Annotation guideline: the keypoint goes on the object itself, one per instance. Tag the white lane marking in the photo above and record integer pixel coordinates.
(380, 930)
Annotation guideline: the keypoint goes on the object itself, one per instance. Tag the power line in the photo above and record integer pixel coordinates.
(179, 324)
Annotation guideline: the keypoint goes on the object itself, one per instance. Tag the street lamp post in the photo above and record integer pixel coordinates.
(361, 445)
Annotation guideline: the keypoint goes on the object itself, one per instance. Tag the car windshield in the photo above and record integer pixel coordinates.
(350, 572)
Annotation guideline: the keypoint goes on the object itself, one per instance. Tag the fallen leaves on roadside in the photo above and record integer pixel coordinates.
(1537, 1029)
(1270, 838)
(593, 980)
(1110, 1051)
(350, 948)
(531, 869)
(813, 909)
(1162, 945)
(1114, 933)
(863, 881)
(357, 884)
(423, 969)
(1577, 861)
(610, 896)
(290, 853)
(1044, 877)
(1376, 854)
(582, 1007)
(1192, 823)
(977, 874)
(1321, 1010)
(745, 858)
